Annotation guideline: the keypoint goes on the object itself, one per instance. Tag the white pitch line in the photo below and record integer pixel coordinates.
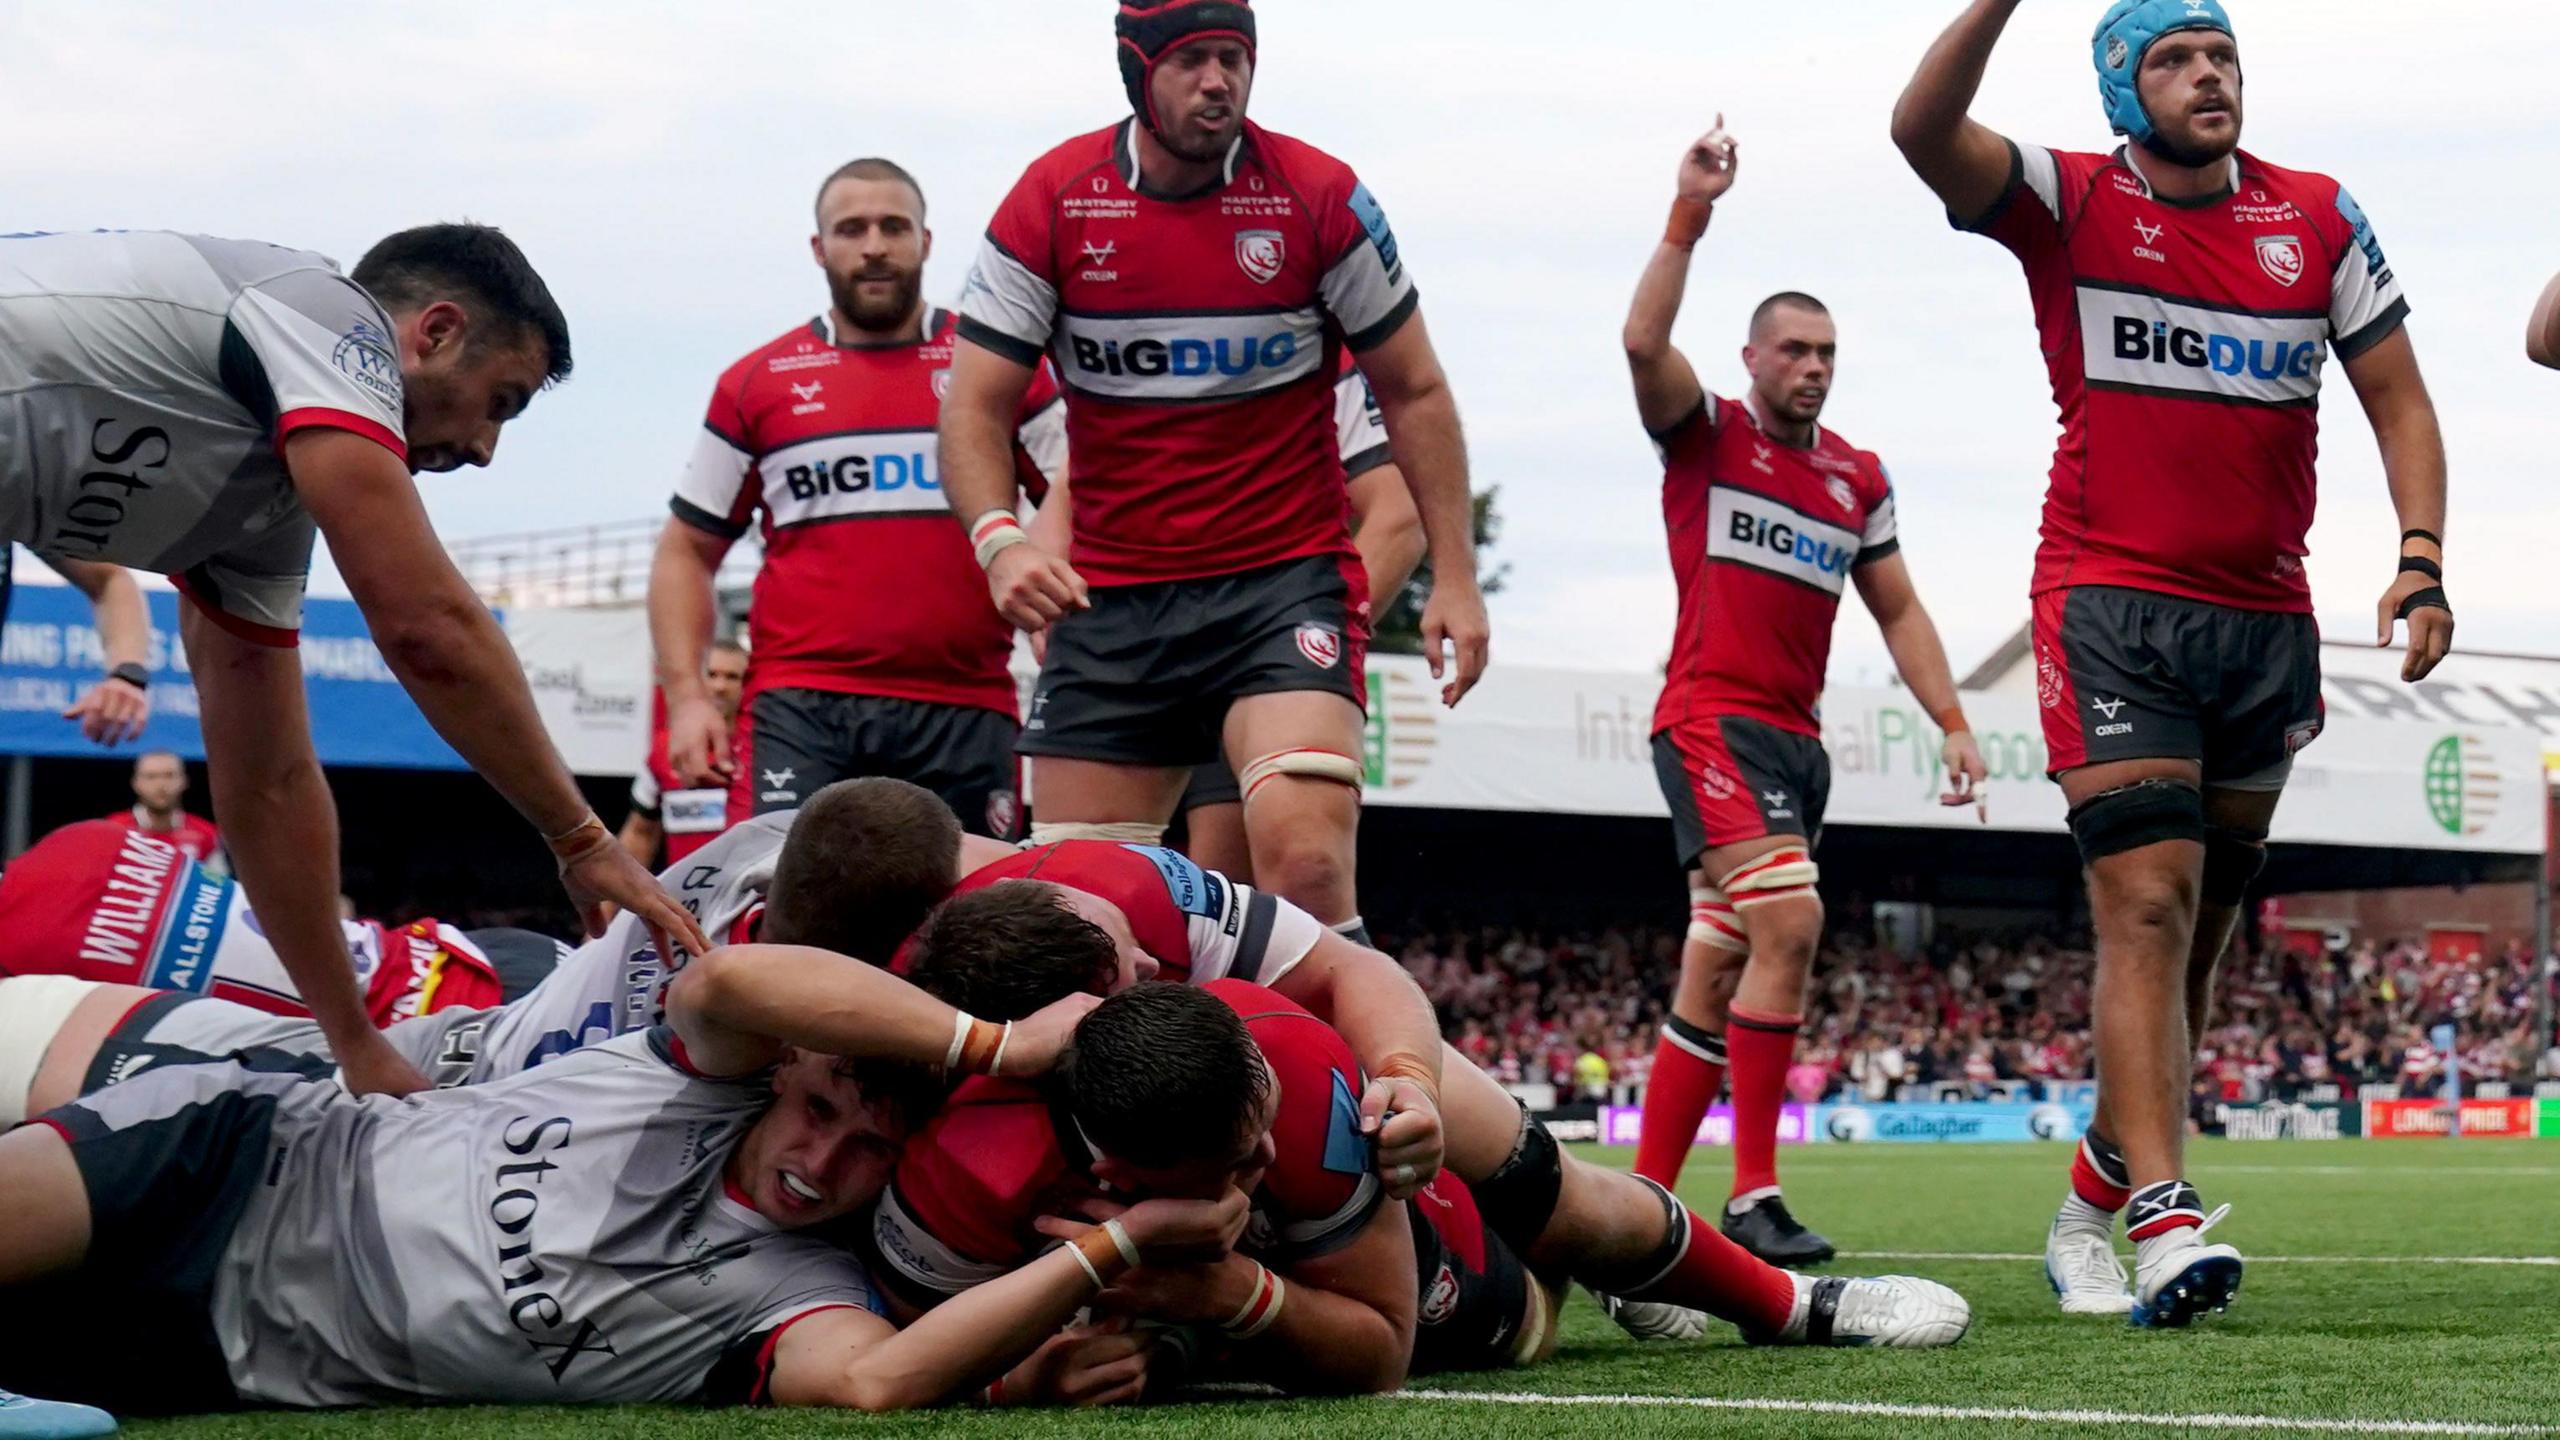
(2548, 1260)
(2449, 1172)
(1986, 1412)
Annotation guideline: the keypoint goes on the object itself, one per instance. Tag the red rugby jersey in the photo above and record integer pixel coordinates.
(1197, 337)
(869, 586)
(1198, 924)
(193, 835)
(690, 817)
(998, 1156)
(1763, 537)
(2185, 340)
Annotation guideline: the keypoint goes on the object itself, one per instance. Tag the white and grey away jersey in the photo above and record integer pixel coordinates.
(148, 381)
(566, 1236)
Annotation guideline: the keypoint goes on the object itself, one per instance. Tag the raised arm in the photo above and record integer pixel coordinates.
(1667, 389)
(118, 707)
(2395, 399)
(456, 664)
(1964, 161)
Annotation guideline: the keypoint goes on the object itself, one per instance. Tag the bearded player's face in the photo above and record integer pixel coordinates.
(872, 243)
(1790, 357)
(1200, 91)
(821, 1152)
(2190, 87)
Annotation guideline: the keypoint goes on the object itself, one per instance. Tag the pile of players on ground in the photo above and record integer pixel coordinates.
(774, 1173)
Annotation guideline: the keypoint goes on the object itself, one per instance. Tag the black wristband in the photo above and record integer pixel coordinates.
(2427, 535)
(2431, 598)
(133, 675)
(2423, 566)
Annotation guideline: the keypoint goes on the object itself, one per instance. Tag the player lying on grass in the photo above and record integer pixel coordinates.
(637, 1222)
(852, 871)
(1622, 1236)
(1181, 1091)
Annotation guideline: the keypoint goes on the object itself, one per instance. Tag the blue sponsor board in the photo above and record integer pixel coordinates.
(50, 656)
(1972, 1121)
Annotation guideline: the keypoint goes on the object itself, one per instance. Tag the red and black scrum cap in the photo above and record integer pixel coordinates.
(1149, 30)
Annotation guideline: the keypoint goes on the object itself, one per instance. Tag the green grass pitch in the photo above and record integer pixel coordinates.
(2372, 1333)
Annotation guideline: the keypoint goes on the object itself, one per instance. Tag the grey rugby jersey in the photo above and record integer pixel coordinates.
(563, 1236)
(147, 383)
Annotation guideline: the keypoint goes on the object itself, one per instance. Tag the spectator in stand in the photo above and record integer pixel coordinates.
(159, 793)
(663, 807)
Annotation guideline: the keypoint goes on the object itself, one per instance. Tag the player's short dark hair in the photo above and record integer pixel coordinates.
(733, 646)
(1006, 950)
(863, 864)
(1165, 1074)
(869, 167)
(907, 1095)
(1791, 299)
(479, 268)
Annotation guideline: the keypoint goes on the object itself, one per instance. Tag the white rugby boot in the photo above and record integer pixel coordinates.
(2176, 1275)
(1898, 1312)
(2081, 1265)
(1652, 1319)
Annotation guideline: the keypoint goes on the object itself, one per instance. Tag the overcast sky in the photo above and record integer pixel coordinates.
(657, 161)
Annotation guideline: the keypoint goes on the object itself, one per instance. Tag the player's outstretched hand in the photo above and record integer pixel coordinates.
(599, 875)
(1965, 771)
(1454, 618)
(698, 744)
(1033, 588)
(2430, 620)
(1104, 1364)
(372, 1067)
(1169, 1232)
(1406, 1123)
(112, 712)
(1707, 171)
(1039, 1038)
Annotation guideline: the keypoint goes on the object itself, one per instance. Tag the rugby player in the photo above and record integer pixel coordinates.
(159, 810)
(852, 872)
(1770, 517)
(633, 1223)
(665, 811)
(98, 904)
(2188, 295)
(874, 652)
(1179, 1091)
(1649, 1260)
(204, 407)
(1195, 278)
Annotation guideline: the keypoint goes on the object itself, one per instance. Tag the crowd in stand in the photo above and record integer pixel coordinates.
(1579, 1011)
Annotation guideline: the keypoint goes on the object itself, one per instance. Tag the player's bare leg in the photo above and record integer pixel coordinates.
(1216, 839)
(1626, 1237)
(2141, 829)
(1689, 1059)
(1078, 799)
(1770, 884)
(1298, 758)
(74, 1046)
(47, 1204)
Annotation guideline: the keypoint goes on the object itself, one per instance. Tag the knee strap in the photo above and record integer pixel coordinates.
(1519, 1197)
(2232, 860)
(1713, 922)
(2129, 817)
(1313, 763)
(1629, 1279)
(1782, 874)
(1122, 832)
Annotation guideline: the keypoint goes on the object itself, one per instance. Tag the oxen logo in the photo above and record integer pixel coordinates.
(1261, 253)
(2281, 257)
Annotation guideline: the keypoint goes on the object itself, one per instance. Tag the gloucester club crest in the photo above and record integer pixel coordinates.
(1261, 253)
(2281, 257)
